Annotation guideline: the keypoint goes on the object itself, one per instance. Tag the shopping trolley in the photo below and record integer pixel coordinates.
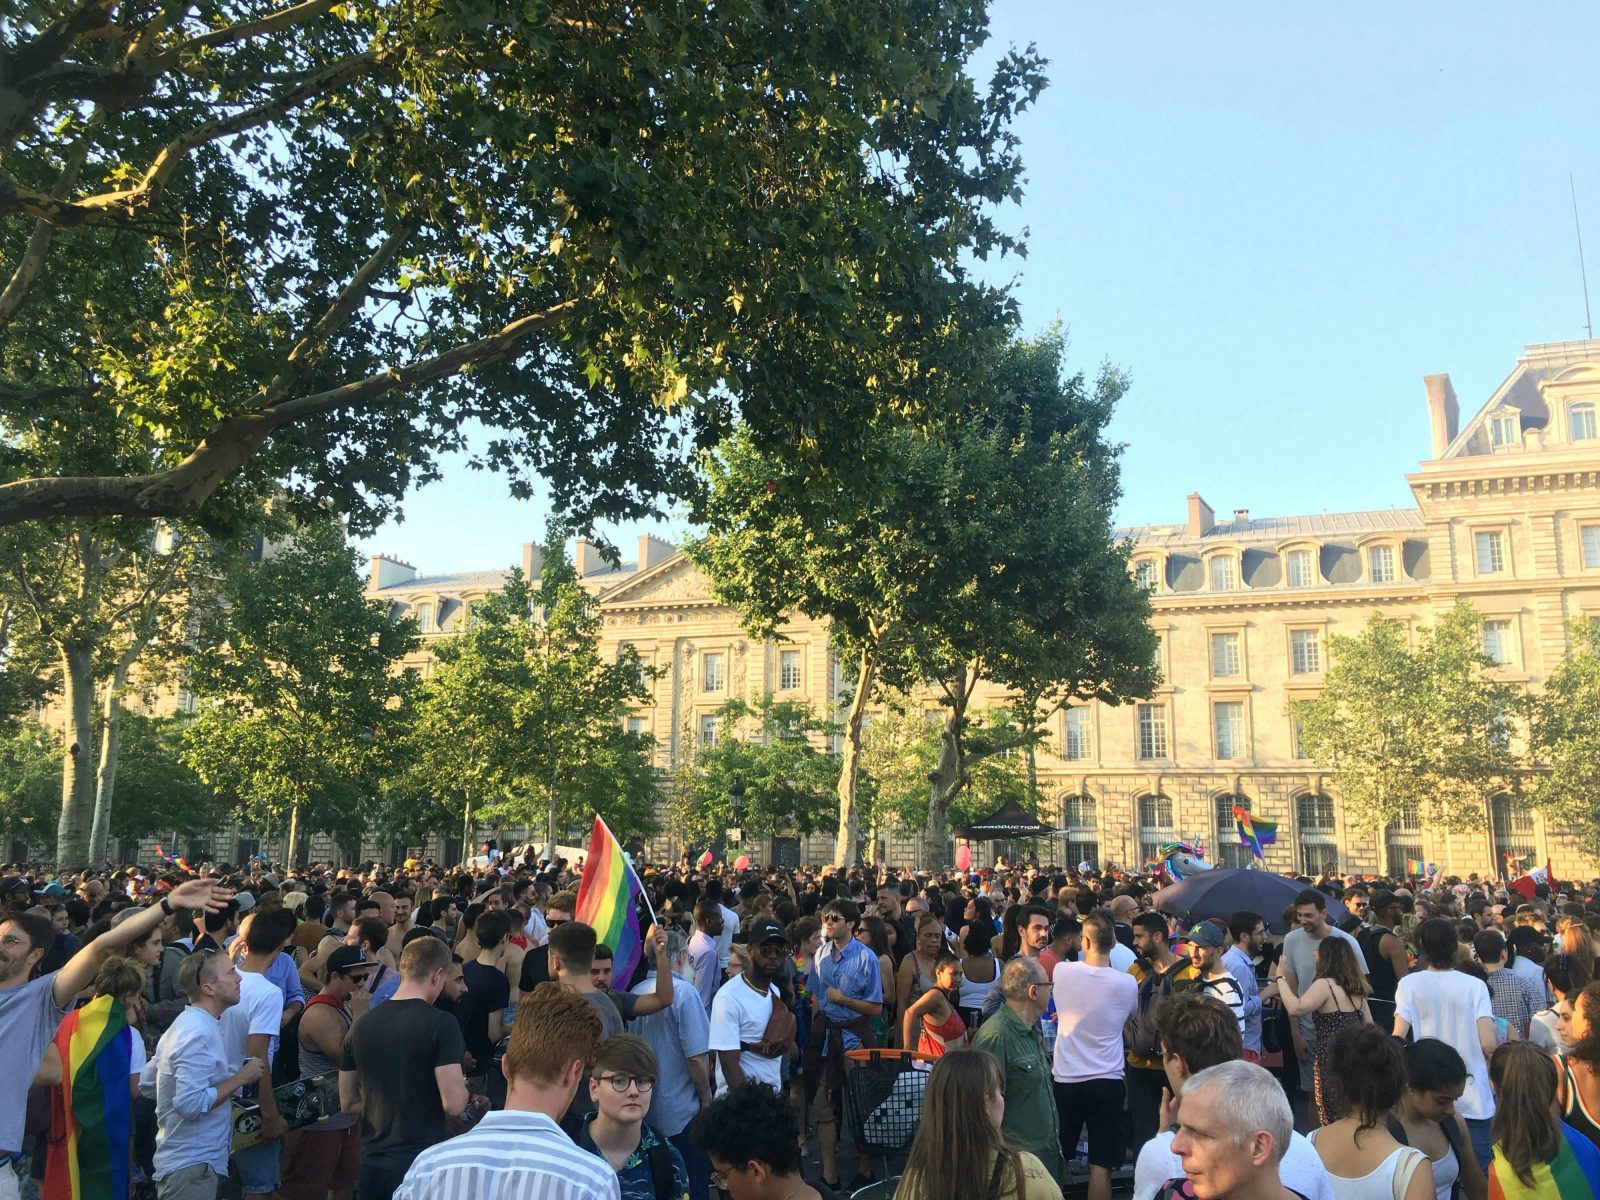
(883, 1092)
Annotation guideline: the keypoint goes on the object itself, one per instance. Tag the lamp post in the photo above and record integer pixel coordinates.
(735, 804)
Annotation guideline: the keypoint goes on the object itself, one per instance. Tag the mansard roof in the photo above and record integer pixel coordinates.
(1540, 363)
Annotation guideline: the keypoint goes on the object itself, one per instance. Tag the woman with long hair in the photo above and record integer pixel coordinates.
(874, 933)
(1578, 1089)
(959, 1151)
(1572, 937)
(1564, 977)
(1336, 999)
(1364, 1160)
(1536, 1157)
(1436, 1077)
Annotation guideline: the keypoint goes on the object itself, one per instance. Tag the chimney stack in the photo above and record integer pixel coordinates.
(653, 550)
(532, 560)
(387, 570)
(1201, 518)
(1444, 414)
(1241, 516)
(589, 559)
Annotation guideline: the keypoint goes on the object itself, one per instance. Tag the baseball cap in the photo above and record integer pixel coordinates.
(346, 959)
(53, 890)
(245, 901)
(764, 929)
(15, 883)
(1204, 934)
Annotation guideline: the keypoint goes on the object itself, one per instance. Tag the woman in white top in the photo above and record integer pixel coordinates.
(1364, 1160)
(1436, 1076)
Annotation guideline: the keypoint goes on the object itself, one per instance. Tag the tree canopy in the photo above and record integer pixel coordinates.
(250, 243)
(1562, 737)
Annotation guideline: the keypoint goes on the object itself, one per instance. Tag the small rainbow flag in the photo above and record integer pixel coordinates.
(1254, 832)
(1415, 866)
(92, 1104)
(607, 901)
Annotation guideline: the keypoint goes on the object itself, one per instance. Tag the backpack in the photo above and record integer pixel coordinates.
(178, 952)
(662, 1179)
(1139, 1035)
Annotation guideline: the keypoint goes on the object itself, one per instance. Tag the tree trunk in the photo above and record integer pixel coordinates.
(466, 832)
(550, 822)
(948, 778)
(844, 846)
(105, 784)
(294, 837)
(77, 775)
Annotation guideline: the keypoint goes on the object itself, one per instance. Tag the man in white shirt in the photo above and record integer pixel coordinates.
(1197, 1033)
(740, 1013)
(193, 1079)
(1093, 1002)
(250, 1030)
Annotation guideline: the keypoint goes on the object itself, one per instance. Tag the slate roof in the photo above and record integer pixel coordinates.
(1347, 524)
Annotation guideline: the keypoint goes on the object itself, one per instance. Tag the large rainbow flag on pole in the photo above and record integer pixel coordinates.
(608, 901)
(91, 1105)
(1254, 832)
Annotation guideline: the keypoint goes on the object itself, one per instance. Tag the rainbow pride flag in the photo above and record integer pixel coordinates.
(1254, 832)
(1415, 866)
(608, 901)
(91, 1105)
(1564, 1177)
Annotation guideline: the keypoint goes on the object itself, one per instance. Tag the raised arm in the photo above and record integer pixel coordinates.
(82, 967)
(655, 943)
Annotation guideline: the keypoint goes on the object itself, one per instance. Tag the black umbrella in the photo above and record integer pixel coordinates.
(1227, 890)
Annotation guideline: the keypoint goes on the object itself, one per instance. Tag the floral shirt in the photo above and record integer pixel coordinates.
(635, 1179)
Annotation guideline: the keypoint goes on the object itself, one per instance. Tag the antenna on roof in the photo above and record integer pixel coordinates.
(1588, 321)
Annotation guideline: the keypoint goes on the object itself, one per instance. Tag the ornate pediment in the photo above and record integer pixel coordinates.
(677, 581)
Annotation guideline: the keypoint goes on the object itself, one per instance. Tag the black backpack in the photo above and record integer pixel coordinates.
(1140, 1037)
(662, 1178)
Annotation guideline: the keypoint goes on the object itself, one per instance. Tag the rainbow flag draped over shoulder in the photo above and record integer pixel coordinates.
(608, 901)
(1254, 832)
(1567, 1176)
(91, 1105)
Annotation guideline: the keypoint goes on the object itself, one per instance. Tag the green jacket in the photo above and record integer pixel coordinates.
(1030, 1121)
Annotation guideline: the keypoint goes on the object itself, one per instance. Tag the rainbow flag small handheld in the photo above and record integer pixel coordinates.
(1254, 832)
(608, 901)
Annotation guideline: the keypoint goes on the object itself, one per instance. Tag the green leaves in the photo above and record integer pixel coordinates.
(1562, 736)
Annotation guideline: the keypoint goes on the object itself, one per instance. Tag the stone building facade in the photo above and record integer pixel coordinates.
(1507, 515)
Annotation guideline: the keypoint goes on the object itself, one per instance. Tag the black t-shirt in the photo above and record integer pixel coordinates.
(395, 1048)
(488, 990)
(535, 970)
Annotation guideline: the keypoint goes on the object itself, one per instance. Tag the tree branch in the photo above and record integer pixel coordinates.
(33, 256)
(270, 23)
(181, 490)
(143, 195)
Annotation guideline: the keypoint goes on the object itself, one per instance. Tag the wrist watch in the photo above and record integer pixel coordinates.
(166, 906)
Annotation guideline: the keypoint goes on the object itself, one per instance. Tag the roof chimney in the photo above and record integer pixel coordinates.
(387, 571)
(1201, 518)
(1444, 414)
(532, 560)
(1241, 516)
(653, 550)
(589, 559)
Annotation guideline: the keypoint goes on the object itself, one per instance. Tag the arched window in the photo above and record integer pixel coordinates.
(1228, 850)
(1319, 847)
(1514, 848)
(1581, 422)
(1082, 823)
(1403, 841)
(1155, 826)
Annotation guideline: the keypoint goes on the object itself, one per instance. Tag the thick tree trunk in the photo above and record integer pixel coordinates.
(466, 832)
(293, 842)
(105, 783)
(947, 780)
(844, 846)
(77, 773)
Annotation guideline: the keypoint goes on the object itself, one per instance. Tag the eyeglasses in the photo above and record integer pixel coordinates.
(621, 1083)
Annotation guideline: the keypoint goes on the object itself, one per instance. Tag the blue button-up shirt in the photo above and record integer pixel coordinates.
(855, 972)
(1238, 964)
(676, 1035)
(192, 1128)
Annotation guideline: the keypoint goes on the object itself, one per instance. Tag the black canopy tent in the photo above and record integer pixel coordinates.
(1010, 820)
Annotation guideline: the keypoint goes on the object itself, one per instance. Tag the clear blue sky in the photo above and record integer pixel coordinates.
(1277, 218)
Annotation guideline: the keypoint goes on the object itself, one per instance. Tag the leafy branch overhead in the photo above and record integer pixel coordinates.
(246, 242)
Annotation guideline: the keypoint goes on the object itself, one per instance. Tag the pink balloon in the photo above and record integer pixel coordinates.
(963, 857)
(706, 859)
(742, 863)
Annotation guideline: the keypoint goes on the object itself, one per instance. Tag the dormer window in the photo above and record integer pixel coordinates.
(1144, 574)
(1224, 573)
(1581, 422)
(1380, 564)
(425, 618)
(1505, 430)
(1297, 570)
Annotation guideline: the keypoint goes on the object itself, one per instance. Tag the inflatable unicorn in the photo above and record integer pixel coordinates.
(1179, 860)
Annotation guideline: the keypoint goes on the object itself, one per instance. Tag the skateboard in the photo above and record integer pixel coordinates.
(302, 1102)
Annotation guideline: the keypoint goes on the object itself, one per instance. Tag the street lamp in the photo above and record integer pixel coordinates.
(735, 804)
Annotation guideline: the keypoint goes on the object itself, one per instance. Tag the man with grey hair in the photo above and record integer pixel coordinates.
(1012, 1036)
(1233, 1127)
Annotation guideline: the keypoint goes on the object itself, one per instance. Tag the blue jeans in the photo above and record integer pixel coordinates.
(696, 1163)
(258, 1168)
(1482, 1141)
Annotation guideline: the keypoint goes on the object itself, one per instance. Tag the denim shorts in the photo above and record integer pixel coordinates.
(258, 1168)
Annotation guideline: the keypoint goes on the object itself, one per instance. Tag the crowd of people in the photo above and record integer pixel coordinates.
(1442, 1042)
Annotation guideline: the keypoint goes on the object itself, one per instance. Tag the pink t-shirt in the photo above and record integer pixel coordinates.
(1092, 1005)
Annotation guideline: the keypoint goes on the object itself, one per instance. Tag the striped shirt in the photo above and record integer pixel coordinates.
(510, 1155)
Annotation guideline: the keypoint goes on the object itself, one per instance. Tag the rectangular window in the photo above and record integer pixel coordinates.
(1583, 423)
(1305, 646)
(1590, 535)
(1227, 720)
(1144, 574)
(1504, 431)
(1380, 564)
(1226, 659)
(1299, 568)
(1152, 731)
(1497, 641)
(1075, 734)
(711, 677)
(636, 725)
(1223, 577)
(788, 670)
(425, 618)
(1299, 732)
(708, 732)
(1491, 551)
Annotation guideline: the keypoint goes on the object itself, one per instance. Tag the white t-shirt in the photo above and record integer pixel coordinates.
(740, 1014)
(1446, 1005)
(1092, 1005)
(1300, 1170)
(260, 1010)
(1121, 957)
(1227, 990)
